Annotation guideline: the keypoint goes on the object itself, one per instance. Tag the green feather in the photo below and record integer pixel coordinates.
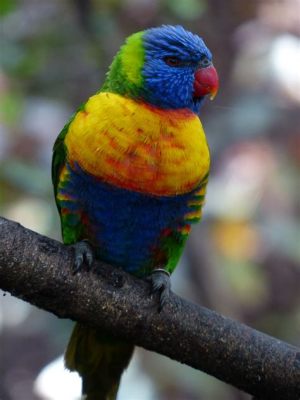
(70, 224)
(124, 76)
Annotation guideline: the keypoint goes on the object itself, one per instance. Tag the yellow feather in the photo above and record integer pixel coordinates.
(135, 146)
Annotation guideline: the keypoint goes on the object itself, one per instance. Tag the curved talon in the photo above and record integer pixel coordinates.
(83, 253)
(160, 282)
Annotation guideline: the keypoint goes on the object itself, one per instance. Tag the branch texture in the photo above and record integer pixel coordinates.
(38, 269)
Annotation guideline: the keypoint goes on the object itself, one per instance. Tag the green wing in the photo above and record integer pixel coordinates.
(59, 158)
(60, 154)
(70, 221)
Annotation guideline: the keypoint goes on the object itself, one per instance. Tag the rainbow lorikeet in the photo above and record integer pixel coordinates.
(130, 171)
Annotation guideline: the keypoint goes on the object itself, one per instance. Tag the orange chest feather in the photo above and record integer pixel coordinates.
(137, 147)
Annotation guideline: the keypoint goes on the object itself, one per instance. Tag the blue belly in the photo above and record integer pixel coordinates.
(125, 226)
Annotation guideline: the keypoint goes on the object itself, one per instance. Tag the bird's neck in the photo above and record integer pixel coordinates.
(124, 76)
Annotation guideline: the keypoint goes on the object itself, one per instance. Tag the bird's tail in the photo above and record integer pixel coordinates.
(99, 360)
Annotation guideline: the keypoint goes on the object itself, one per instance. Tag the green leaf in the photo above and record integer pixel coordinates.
(188, 9)
(6, 6)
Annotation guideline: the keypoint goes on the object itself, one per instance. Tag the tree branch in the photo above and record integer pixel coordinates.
(38, 269)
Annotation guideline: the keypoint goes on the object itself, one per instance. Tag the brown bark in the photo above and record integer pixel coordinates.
(38, 269)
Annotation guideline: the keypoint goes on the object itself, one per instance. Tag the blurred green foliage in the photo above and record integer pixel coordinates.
(244, 259)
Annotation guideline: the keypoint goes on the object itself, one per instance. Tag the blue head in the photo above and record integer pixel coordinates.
(172, 58)
(167, 67)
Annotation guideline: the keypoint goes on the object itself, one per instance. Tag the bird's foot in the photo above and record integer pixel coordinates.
(161, 283)
(83, 255)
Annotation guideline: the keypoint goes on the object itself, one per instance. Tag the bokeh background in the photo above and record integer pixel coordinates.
(243, 260)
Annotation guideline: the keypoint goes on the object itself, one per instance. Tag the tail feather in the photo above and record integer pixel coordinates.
(99, 360)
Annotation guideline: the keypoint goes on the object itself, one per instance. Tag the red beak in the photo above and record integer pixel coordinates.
(206, 82)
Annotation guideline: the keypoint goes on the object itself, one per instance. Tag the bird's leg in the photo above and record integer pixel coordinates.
(83, 254)
(161, 283)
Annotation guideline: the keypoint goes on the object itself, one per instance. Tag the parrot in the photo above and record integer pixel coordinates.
(130, 170)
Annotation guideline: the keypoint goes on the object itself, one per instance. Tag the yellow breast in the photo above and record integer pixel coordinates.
(134, 146)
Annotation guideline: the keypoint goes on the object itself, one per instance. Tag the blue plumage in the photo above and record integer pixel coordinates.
(125, 226)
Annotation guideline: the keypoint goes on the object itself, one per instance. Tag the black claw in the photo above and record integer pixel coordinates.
(89, 258)
(160, 282)
(83, 254)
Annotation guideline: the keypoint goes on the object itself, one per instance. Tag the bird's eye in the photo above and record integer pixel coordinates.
(204, 62)
(173, 61)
